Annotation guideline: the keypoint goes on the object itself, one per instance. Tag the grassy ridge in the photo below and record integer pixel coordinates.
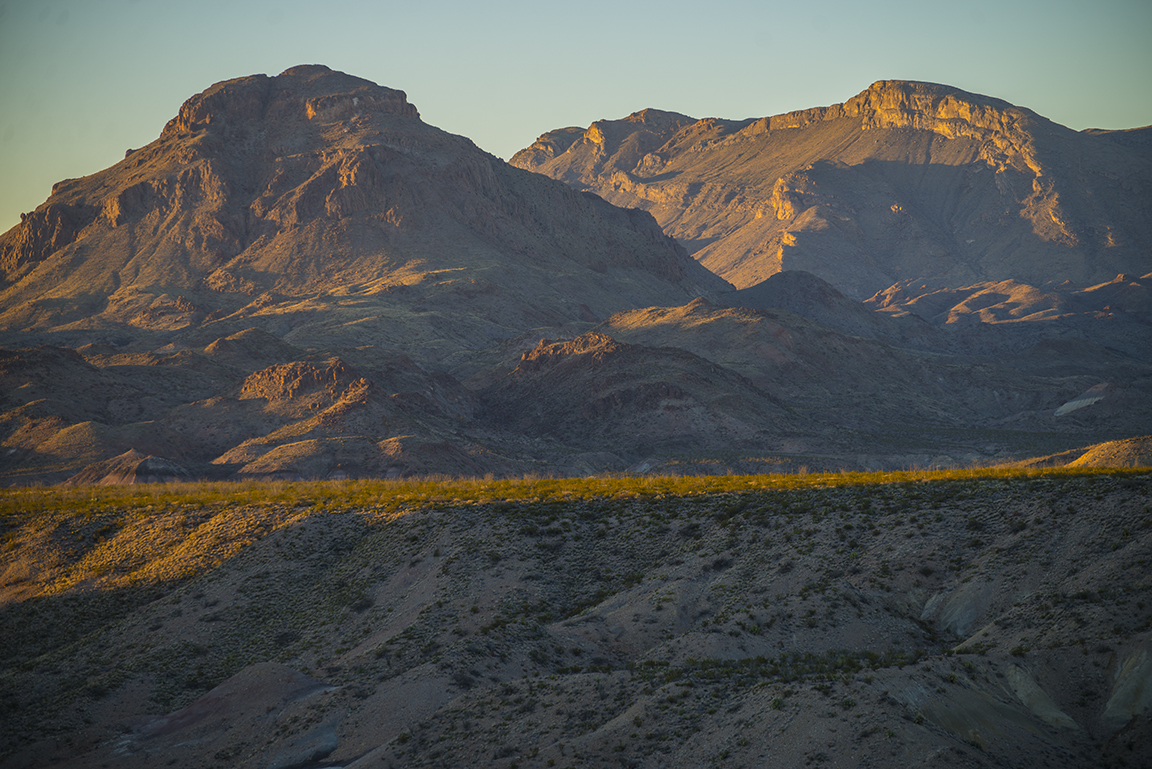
(398, 495)
(57, 540)
(627, 614)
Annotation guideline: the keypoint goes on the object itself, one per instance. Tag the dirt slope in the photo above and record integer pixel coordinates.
(940, 624)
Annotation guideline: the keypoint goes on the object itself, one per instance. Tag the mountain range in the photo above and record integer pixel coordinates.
(904, 182)
(301, 278)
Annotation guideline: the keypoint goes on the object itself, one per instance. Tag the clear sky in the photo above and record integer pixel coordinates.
(81, 81)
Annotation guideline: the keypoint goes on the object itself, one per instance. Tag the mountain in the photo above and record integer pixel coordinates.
(905, 181)
(319, 207)
(301, 279)
(278, 285)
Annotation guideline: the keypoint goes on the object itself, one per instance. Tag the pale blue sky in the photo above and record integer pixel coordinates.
(83, 80)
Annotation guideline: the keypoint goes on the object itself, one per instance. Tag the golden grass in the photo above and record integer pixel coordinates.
(400, 495)
(104, 537)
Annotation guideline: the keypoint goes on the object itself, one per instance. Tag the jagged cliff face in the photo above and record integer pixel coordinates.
(903, 181)
(270, 200)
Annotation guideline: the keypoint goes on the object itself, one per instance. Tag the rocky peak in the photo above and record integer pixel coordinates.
(1002, 129)
(657, 118)
(617, 145)
(899, 102)
(310, 92)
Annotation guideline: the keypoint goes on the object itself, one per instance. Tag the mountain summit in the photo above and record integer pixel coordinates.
(319, 204)
(904, 181)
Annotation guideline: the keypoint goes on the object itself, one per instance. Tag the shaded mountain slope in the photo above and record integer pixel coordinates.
(1009, 316)
(908, 405)
(904, 181)
(844, 379)
(594, 392)
(817, 300)
(317, 205)
(59, 412)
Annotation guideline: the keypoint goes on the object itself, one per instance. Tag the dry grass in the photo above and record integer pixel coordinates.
(397, 495)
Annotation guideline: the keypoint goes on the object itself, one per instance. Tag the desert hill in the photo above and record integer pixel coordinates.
(595, 391)
(1009, 316)
(956, 621)
(905, 181)
(221, 412)
(818, 300)
(899, 399)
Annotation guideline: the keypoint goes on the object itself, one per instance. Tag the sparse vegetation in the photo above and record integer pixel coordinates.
(391, 496)
(665, 606)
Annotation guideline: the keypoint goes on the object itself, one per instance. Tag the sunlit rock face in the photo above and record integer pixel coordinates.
(264, 191)
(905, 181)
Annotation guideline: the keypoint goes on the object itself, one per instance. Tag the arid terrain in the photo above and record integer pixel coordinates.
(948, 620)
(330, 440)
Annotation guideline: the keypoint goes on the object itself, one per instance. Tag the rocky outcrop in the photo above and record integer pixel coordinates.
(285, 381)
(40, 233)
(1004, 132)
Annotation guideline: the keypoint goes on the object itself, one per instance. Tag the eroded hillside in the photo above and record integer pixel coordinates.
(742, 621)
